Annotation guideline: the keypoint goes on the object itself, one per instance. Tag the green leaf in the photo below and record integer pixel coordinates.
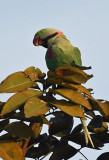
(11, 151)
(70, 108)
(19, 129)
(73, 96)
(72, 74)
(77, 129)
(18, 99)
(37, 152)
(1, 105)
(35, 107)
(97, 125)
(104, 156)
(61, 124)
(16, 82)
(103, 137)
(9, 137)
(54, 81)
(80, 139)
(3, 124)
(104, 128)
(63, 151)
(39, 119)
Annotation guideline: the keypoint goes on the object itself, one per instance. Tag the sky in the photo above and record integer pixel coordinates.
(84, 22)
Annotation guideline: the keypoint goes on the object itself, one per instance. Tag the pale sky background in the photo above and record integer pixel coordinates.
(84, 22)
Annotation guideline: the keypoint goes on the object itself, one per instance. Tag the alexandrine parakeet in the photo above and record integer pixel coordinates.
(60, 52)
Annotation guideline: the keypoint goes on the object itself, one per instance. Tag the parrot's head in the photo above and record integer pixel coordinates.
(41, 37)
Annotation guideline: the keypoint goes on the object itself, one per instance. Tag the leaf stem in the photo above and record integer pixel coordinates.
(88, 117)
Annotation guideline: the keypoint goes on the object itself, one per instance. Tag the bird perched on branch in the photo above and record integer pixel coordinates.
(60, 53)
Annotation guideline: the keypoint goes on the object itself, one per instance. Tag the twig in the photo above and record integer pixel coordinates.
(82, 154)
(50, 112)
(25, 143)
(45, 156)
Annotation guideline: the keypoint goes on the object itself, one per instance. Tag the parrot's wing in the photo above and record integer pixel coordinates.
(62, 55)
(67, 54)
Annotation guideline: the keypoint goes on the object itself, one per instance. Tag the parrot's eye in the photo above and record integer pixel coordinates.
(41, 31)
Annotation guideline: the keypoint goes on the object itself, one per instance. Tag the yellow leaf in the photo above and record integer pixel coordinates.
(18, 99)
(37, 127)
(72, 74)
(35, 107)
(16, 82)
(34, 74)
(72, 109)
(73, 96)
(104, 108)
(78, 87)
(4, 155)
(101, 106)
(11, 151)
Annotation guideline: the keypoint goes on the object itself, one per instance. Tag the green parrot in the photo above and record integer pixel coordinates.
(60, 53)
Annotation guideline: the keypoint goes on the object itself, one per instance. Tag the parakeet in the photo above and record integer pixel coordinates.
(60, 52)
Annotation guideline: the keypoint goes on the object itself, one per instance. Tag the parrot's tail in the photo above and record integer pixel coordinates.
(80, 67)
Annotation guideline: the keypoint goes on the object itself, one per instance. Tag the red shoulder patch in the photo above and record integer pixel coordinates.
(50, 53)
(59, 33)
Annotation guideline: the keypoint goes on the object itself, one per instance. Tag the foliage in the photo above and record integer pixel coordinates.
(36, 105)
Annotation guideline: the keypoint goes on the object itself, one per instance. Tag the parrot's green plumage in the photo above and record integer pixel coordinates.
(60, 51)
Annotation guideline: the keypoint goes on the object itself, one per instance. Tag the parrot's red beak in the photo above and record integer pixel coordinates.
(38, 42)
